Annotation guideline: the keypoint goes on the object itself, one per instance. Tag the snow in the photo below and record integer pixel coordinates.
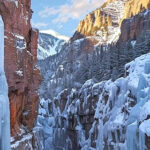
(111, 34)
(42, 53)
(48, 45)
(25, 137)
(145, 127)
(29, 53)
(20, 73)
(145, 111)
(119, 118)
(139, 72)
(16, 2)
(137, 83)
(79, 41)
(146, 12)
(88, 83)
(4, 101)
(133, 43)
(19, 36)
(121, 110)
(55, 34)
(21, 44)
(136, 67)
(6, 37)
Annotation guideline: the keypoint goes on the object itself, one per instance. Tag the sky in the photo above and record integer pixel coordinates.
(61, 16)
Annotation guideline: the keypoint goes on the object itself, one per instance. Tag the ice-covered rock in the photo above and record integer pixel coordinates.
(105, 115)
(4, 101)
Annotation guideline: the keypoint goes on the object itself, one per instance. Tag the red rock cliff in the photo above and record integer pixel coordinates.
(133, 27)
(20, 62)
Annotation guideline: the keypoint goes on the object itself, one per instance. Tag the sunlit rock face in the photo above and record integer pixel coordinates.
(103, 22)
(20, 63)
(106, 20)
(133, 7)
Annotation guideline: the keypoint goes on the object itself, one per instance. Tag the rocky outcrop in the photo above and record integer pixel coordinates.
(26, 141)
(20, 63)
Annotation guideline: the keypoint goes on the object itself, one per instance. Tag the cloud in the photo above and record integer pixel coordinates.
(75, 10)
(39, 24)
(48, 11)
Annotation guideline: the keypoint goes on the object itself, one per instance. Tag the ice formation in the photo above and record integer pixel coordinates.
(121, 112)
(4, 101)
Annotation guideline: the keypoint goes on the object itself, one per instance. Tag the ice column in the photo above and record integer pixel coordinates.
(4, 101)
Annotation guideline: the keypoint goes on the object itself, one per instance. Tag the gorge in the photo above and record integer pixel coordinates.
(91, 92)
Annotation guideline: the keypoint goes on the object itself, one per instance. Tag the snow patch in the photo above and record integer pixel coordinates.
(55, 34)
(20, 73)
(25, 138)
(145, 127)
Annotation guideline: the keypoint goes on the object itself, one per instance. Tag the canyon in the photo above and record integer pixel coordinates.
(99, 85)
(87, 93)
(98, 101)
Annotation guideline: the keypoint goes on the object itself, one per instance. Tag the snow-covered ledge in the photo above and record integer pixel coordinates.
(4, 101)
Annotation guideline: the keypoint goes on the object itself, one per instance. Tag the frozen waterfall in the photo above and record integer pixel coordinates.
(4, 101)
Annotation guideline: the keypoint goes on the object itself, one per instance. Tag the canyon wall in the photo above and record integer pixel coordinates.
(108, 17)
(20, 64)
(133, 27)
(133, 7)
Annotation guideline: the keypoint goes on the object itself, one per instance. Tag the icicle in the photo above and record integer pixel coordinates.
(141, 140)
(132, 136)
(4, 101)
(99, 145)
